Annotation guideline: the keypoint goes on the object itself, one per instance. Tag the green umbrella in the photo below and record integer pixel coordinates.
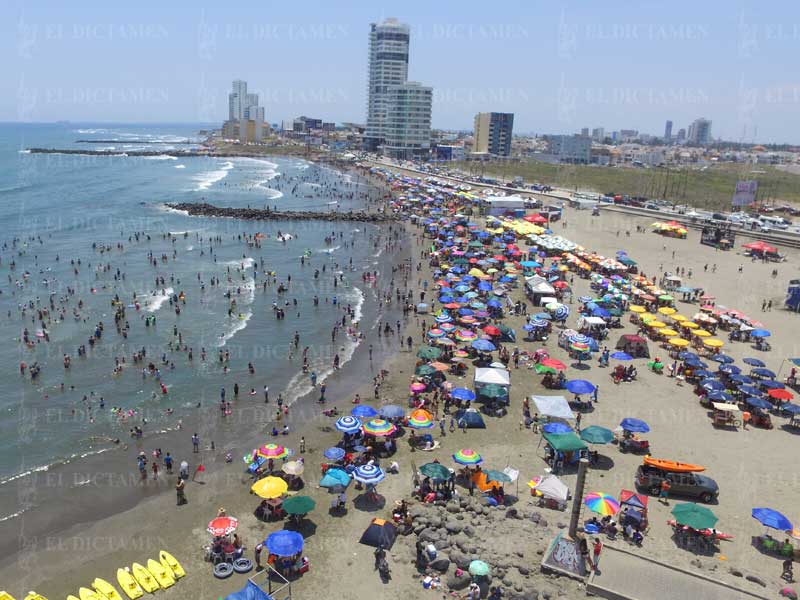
(435, 471)
(475, 244)
(595, 434)
(298, 505)
(499, 476)
(478, 568)
(694, 516)
(492, 390)
(461, 261)
(425, 370)
(539, 368)
(429, 352)
(666, 297)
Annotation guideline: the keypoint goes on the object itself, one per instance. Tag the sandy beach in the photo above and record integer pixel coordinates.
(751, 466)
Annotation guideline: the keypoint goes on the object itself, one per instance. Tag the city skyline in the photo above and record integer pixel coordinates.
(556, 68)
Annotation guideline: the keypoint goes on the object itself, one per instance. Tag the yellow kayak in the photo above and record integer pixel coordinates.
(6, 596)
(144, 577)
(87, 594)
(169, 562)
(129, 585)
(105, 589)
(71, 597)
(34, 596)
(162, 574)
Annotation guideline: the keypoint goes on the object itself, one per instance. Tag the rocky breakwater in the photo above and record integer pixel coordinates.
(511, 540)
(258, 214)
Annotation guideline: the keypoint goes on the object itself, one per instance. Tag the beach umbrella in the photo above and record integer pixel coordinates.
(378, 427)
(293, 467)
(772, 518)
(579, 338)
(369, 474)
(667, 332)
(770, 384)
(754, 362)
(424, 370)
(780, 394)
(722, 358)
(757, 402)
(484, 346)
(447, 327)
(762, 372)
(429, 353)
(730, 369)
(702, 333)
(711, 384)
(741, 379)
(298, 505)
(465, 335)
(392, 411)
(417, 387)
(284, 543)
(498, 476)
(749, 390)
(269, 487)
(436, 333)
(435, 471)
(556, 427)
(679, 342)
(467, 457)
(440, 366)
(719, 396)
(636, 308)
(540, 368)
(420, 419)
(594, 434)
(335, 478)
(543, 316)
(667, 310)
(621, 356)
(273, 451)
(493, 390)
(584, 299)
(478, 568)
(694, 516)
(362, 411)
(463, 394)
(561, 312)
(760, 333)
(634, 425)
(222, 526)
(491, 330)
(554, 364)
(601, 503)
(334, 453)
(704, 374)
(686, 355)
(348, 424)
(580, 386)
(713, 343)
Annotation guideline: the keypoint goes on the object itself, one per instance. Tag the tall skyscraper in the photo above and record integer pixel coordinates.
(388, 66)
(681, 135)
(407, 121)
(236, 100)
(700, 132)
(493, 132)
(668, 132)
(244, 113)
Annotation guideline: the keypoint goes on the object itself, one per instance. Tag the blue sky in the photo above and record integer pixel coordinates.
(557, 66)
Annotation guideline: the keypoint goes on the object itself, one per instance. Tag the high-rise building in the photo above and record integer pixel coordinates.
(598, 134)
(388, 66)
(585, 132)
(406, 128)
(700, 132)
(245, 116)
(681, 135)
(237, 100)
(668, 132)
(493, 132)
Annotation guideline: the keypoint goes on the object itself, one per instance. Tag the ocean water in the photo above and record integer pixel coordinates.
(70, 248)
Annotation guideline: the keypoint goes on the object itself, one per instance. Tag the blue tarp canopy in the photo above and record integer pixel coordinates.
(249, 592)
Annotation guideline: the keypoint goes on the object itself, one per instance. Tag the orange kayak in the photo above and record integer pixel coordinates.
(671, 465)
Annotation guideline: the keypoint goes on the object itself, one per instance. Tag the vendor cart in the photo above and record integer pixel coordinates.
(726, 415)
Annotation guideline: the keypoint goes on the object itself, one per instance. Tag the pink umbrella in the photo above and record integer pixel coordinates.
(417, 387)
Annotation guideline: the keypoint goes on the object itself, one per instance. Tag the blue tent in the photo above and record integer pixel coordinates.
(249, 592)
(472, 418)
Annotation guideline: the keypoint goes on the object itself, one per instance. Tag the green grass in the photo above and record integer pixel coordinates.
(711, 188)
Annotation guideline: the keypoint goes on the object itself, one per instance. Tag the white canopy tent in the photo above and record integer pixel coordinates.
(552, 487)
(497, 376)
(555, 407)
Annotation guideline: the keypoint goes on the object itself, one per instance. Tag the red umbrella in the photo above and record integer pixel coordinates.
(222, 526)
(491, 330)
(554, 363)
(781, 394)
(760, 246)
(559, 284)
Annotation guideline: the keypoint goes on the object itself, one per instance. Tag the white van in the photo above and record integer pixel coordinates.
(768, 223)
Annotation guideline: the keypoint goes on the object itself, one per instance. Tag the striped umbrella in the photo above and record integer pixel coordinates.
(447, 327)
(601, 503)
(538, 323)
(436, 333)
(273, 451)
(348, 424)
(465, 335)
(369, 474)
(444, 318)
(378, 427)
(579, 338)
(578, 347)
(420, 419)
(561, 312)
(467, 457)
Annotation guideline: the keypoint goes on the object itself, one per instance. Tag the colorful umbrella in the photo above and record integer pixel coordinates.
(467, 457)
(420, 419)
(417, 387)
(553, 363)
(378, 427)
(465, 335)
(601, 503)
(463, 394)
(222, 526)
(273, 451)
(269, 487)
(436, 333)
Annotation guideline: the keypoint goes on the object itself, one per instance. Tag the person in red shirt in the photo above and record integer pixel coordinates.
(597, 548)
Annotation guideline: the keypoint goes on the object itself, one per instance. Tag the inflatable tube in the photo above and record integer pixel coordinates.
(223, 570)
(243, 565)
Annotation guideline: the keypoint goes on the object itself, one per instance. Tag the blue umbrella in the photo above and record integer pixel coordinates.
(749, 390)
(531, 264)
(719, 396)
(696, 363)
(762, 372)
(579, 338)
(556, 428)
(711, 385)
(485, 286)
(739, 379)
(791, 408)
(392, 411)
(284, 543)
(334, 453)
(463, 394)
(722, 358)
(583, 298)
(621, 356)
(754, 362)
(445, 299)
(369, 474)
(363, 411)
(760, 333)
(543, 316)
(706, 374)
(771, 385)
(772, 518)
(634, 425)
(348, 424)
(730, 369)
(561, 312)
(580, 386)
(601, 312)
(494, 303)
(686, 355)
(335, 478)
(757, 402)
(484, 346)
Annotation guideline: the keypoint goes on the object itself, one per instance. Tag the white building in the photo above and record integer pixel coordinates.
(407, 121)
(237, 100)
(388, 66)
(699, 132)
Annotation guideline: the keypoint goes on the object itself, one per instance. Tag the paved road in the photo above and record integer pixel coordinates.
(629, 576)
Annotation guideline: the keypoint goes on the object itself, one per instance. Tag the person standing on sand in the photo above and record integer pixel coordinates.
(664, 494)
(179, 490)
(598, 547)
(155, 470)
(195, 443)
(266, 394)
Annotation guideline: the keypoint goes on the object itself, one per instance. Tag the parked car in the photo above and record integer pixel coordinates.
(692, 485)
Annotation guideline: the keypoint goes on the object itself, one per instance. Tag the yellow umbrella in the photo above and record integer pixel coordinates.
(714, 343)
(667, 332)
(636, 308)
(269, 487)
(690, 325)
(678, 318)
(679, 342)
(667, 310)
(475, 272)
(656, 324)
(702, 333)
(647, 317)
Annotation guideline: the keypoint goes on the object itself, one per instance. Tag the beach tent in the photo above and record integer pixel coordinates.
(555, 407)
(537, 287)
(552, 487)
(497, 376)
(760, 247)
(250, 591)
(565, 442)
(634, 345)
(471, 417)
(379, 533)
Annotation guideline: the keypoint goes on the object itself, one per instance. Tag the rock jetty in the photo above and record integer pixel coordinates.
(258, 214)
